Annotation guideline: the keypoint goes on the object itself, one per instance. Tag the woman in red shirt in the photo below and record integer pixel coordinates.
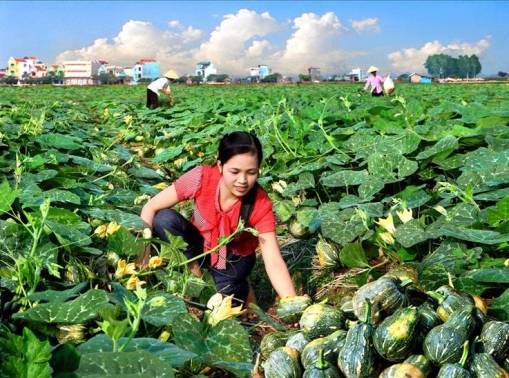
(218, 192)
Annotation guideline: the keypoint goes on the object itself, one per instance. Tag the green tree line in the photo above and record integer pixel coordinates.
(442, 65)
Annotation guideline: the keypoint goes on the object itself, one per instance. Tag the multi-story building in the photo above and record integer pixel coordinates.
(204, 69)
(26, 67)
(81, 72)
(146, 69)
(314, 73)
(261, 71)
(356, 74)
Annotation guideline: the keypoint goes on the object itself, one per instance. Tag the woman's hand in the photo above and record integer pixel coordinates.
(275, 266)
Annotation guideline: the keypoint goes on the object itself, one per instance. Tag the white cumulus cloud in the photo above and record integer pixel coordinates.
(140, 39)
(412, 59)
(367, 24)
(229, 44)
(315, 42)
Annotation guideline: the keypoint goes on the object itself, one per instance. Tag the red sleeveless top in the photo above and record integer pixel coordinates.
(201, 184)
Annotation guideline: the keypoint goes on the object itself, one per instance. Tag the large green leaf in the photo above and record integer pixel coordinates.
(500, 213)
(25, 356)
(139, 364)
(493, 275)
(9, 195)
(500, 307)
(444, 147)
(344, 178)
(410, 233)
(168, 153)
(162, 308)
(61, 141)
(341, 226)
(474, 235)
(79, 310)
(229, 341)
(168, 352)
(391, 167)
(124, 243)
(127, 220)
(352, 255)
(57, 296)
(188, 334)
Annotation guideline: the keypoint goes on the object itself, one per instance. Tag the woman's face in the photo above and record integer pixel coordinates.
(240, 173)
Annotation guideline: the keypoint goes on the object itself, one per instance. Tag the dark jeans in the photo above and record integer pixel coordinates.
(152, 99)
(233, 279)
(377, 94)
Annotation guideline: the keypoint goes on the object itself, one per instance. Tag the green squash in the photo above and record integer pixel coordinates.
(322, 369)
(402, 370)
(329, 345)
(420, 361)
(283, 363)
(495, 339)
(386, 295)
(297, 341)
(394, 337)
(444, 343)
(298, 230)
(272, 341)
(290, 309)
(428, 318)
(450, 300)
(320, 320)
(357, 357)
(484, 365)
(327, 253)
(456, 370)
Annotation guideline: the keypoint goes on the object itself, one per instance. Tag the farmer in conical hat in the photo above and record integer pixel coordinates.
(161, 85)
(375, 81)
(223, 194)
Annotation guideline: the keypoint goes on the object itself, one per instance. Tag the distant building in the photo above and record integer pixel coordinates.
(146, 69)
(356, 74)
(3, 72)
(314, 73)
(111, 69)
(261, 71)
(26, 67)
(204, 69)
(81, 72)
(419, 79)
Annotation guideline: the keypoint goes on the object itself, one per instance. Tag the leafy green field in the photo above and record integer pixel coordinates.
(420, 180)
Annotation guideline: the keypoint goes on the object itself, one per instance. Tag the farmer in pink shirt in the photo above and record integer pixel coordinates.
(375, 81)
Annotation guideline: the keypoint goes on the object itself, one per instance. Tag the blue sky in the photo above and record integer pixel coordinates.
(288, 35)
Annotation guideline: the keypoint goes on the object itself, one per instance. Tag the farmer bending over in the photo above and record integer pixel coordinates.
(375, 81)
(158, 86)
(223, 194)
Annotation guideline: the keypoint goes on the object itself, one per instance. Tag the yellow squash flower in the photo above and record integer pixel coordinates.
(405, 215)
(128, 119)
(112, 228)
(124, 269)
(387, 224)
(154, 262)
(222, 310)
(387, 237)
(101, 231)
(160, 186)
(134, 282)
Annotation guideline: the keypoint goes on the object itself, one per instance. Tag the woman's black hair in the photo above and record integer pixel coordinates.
(239, 142)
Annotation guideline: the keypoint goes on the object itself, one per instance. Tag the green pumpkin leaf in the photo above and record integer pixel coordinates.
(344, 178)
(410, 233)
(168, 352)
(340, 226)
(500, 307)
(127, 220)
(474, 235)
(79, 310)
(188, 334)
(443, 147)
(124, 243)
(492, 275)
(161, 309)
(8, 196)
(25, 356)
(60, 141)
(229, 341)
(139, 364)
(352, 255)
(57, 296)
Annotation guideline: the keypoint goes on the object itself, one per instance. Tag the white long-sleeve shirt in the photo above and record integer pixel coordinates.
(157, 85)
